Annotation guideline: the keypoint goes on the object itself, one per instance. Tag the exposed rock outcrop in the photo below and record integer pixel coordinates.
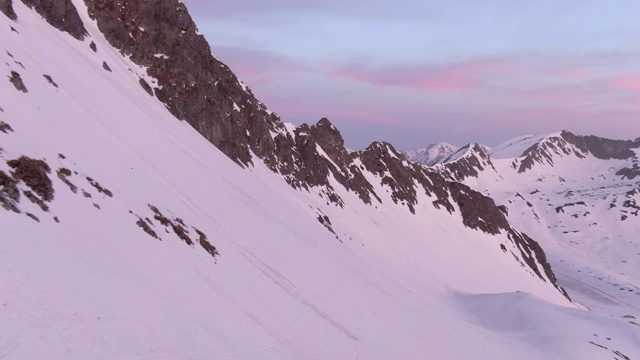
(602, 148)
(61, 14)
(34, 173)
(629, 172)
(469, 161)
(194, 85)
(580, 146)
(6, 6)
(17, 81)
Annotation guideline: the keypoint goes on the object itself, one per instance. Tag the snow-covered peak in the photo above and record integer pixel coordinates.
(431, 154)
(517, 147)
(468, 161)
(472, 149)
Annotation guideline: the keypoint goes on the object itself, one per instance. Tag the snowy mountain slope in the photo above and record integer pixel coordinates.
(306, 156)
(468, 161)
(434, 154)
(84, 277)
(430, 154)
(578, 196)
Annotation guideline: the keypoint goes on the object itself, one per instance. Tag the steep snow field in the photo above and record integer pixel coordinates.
(82, 279)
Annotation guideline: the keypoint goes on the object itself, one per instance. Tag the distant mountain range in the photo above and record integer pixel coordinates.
(578, 196)
(435, 153)
(152, 207)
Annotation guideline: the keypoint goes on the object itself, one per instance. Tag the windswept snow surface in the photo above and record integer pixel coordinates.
(84, 281)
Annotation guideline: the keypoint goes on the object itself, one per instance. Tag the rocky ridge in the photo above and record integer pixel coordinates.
(580, 146)
(198, 88)
(579, 196)
(469, 161)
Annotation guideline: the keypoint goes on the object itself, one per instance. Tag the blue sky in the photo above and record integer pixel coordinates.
(417, 72)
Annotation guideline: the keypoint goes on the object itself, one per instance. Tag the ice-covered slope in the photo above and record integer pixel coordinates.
(113, 207)
(579, 197)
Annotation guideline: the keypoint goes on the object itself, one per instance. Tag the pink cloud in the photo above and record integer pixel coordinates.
(627, 82)
(478, 74)
(437, 78)
(539, 93)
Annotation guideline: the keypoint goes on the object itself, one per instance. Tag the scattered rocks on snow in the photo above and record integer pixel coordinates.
(324, 220)
(5, 128)
(63, 174)
(561, 208)
(36, 200)
(206, 245)
(32, 216)
(50, 80)
(98, 187)
(106, 66)
(9, 192)
(179, 228)
(146, 228)
(16, 80)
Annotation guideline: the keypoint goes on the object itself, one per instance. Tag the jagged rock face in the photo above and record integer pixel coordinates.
(6, 6)
(471, 164)
(602, 148)
(478, 211)
(543, 152)
(312, 168)
(580, 146)
(61, 14)
(629, 172)
(402, 177)
(193, 84)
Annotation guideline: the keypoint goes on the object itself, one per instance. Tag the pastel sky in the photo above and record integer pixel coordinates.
(414, 72)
